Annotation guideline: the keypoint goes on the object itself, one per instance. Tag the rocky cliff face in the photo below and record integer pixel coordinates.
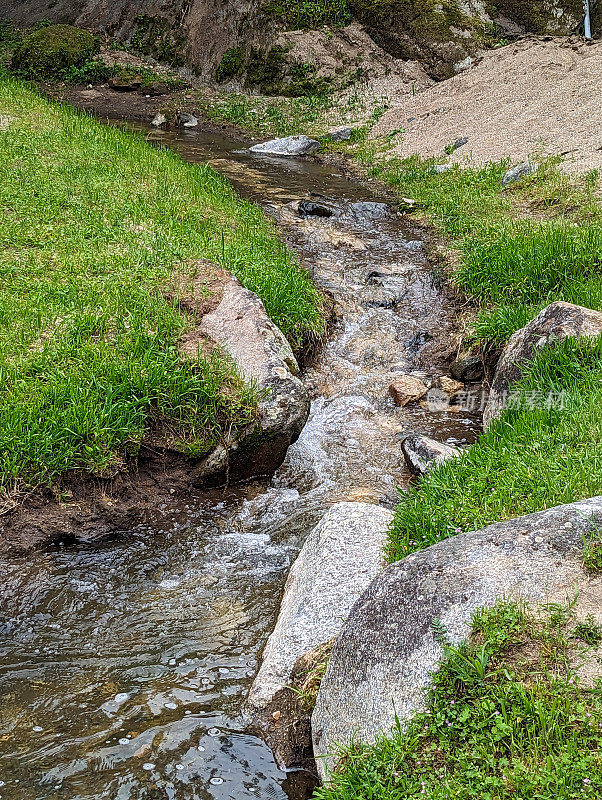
(238, 38)
(195, 32)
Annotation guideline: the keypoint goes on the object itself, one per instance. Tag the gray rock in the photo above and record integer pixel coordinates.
(340, 134)
(422, 454)
(512, 175)
(556, 322)
(338, 560)
(241, 326)
(187, 120)
(467, 369)
(299, 145)
(382, 660)
(439, 168)
(158, 120)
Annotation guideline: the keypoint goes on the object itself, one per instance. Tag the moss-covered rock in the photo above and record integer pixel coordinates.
(541, 16)
(438, 34)
(49, 51)
(231, 65)
(273, 72)
(155, 36)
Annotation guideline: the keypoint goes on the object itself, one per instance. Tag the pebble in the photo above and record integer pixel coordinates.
(180, 766)
(148, 766)
(37, 729)
(124, 741)
(122, 697)
(201, 749)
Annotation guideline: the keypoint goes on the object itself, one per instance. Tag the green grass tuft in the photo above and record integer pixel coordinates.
(531, 459)
(506, 718)
(95, 224)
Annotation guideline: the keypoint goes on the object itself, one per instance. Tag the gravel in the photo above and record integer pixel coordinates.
(531, 97)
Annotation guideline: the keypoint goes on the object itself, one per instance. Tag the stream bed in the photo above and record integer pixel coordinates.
(124, 664)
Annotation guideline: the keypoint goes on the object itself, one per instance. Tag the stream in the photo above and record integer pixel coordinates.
(124, 664)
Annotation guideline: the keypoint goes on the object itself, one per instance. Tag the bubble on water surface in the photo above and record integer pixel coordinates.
(124, 741)
(171, 705)
(214, 732)
(148, 766)
(37, 729)
(169, 583)
(216, 781)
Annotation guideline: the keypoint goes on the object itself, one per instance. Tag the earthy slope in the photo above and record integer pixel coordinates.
(531, 96)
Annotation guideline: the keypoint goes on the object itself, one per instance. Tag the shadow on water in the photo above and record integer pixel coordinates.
(123, 666)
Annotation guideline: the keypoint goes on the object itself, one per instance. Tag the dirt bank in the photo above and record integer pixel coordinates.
(536, 95)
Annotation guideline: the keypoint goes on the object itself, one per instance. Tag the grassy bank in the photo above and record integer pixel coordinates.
(512, 252)
(506, 718)
(96, 224)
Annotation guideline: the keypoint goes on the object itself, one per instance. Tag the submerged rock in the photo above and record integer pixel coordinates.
(383, 659)
(557, 321)
(338, 560)
(158, 120)
(242, 327)
(299, 145)
(422, 454)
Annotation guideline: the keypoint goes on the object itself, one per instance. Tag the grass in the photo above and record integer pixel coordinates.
(308, 14)
(512, 252)
(506, 718)
(531, 459)
(263, 116)
(96, 223)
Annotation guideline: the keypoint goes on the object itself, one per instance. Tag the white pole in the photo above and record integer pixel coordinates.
(587, 23)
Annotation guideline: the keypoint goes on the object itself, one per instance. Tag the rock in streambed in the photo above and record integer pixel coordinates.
(299, 145)
(338, 560)
(241, 326)
(421, 454)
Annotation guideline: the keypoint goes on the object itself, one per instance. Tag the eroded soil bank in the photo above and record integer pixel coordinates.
(124, 665)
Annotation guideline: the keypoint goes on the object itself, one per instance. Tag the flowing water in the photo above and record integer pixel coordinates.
(123, 666)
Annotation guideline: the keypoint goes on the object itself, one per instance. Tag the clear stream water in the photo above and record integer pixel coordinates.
(124, 665)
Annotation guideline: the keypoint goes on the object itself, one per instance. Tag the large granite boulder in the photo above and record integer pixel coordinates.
(557, 321)
(383, 658)
(338, 560)
(300, 145)
(241, 326)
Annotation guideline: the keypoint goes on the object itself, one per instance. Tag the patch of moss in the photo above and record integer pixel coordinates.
(274, 75)
(265, 70)
(52, 49)
(537, 16)
(155, 36)
(231, 65)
